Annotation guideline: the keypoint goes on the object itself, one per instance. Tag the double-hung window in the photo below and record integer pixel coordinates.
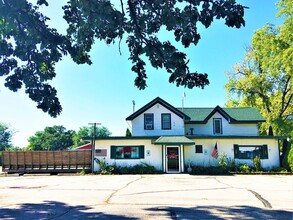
(166, 121)
(217, 122)
(149, 121)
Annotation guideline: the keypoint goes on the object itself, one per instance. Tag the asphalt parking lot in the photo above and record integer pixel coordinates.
(168, 196)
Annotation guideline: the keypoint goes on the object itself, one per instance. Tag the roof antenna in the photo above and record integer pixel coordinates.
(133, 105)
(183, 96)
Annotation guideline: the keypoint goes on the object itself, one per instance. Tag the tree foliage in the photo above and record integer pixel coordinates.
(128, 133)
(264, 78)
(29, 48)
(5, 137)
(52, 138)
(84, 133)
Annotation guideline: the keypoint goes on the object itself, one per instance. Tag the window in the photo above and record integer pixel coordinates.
(198, 149)
(149, 121)
(127, 152)
(166, 121)
(250, 151)
(217, 126)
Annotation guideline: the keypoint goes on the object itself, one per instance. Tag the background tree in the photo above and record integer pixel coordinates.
(128, 133)
(87, 133)
(52, 138)
(5, 137)
(30, 48)
(264, 78)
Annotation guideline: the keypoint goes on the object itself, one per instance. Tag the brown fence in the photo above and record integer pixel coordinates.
(45, 161)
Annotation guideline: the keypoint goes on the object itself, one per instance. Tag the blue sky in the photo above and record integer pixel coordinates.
(103, 92)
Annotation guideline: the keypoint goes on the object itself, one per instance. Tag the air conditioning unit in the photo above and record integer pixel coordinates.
(149, 126)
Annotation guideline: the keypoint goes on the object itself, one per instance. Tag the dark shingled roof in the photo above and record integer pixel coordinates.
(202, 115)
(233, 115)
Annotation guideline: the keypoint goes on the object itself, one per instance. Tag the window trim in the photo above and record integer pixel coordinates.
(170, 124)
(141, 154)
(263, 155)
(214, 125)
(145, 115)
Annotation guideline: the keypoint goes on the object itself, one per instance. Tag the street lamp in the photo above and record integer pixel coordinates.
(93, 145)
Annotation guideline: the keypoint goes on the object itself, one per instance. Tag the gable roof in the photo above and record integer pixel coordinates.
(202, 115)
(232, 115)
(160, 101)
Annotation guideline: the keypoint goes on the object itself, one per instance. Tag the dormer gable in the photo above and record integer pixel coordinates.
(232, 115)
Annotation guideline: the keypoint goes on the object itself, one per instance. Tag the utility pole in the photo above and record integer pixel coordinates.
(93, 144)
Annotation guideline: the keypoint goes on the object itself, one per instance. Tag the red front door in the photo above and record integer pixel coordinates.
(173, 159)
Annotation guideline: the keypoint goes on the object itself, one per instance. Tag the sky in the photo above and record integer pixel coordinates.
(103, 92)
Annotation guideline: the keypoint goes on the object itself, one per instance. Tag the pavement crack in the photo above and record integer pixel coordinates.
(117, 190)
(226, 184)
(265, 202)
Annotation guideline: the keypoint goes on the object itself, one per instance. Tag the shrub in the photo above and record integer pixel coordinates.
(104, 168)
(244, 168)
(287, 154)
(257, 163)
(223, 160)
(212, 170)
(231, 165)
(290, 158)
(142, 168)
(279, 170)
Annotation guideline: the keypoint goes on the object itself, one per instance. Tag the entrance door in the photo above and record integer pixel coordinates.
(173, 162)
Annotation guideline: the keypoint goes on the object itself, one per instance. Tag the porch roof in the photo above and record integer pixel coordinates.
(173, 140)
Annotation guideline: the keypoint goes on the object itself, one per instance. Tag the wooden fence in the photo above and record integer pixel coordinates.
(45, 161)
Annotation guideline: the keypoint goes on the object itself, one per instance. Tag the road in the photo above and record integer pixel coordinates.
(167, 196)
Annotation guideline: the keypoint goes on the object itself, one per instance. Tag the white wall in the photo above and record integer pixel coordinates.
(203, 159)
(228, 129)
(227, 146)
(154, 159)
(177, 124)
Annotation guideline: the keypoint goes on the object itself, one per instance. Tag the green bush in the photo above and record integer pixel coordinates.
(279, 170)
(257, 163)
(223, 160)
(232, 165)
(287, 154)
(104, 168)
(244, 168)
(212, 170)
(142, 168)
(290, 158)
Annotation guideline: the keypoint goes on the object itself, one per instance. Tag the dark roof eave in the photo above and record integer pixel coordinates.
(231, 122)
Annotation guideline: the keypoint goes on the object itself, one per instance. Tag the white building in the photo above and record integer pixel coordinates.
(170, 138)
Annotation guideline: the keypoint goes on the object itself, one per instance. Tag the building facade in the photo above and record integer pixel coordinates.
(172, 138)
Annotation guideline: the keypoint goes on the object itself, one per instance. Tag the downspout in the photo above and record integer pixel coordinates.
(182, 158)
(280, 162)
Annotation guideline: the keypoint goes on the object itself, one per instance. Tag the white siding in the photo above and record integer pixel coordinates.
(154, 159)
(226, 146)
(177, 124)
(157, 155)
(227, 129)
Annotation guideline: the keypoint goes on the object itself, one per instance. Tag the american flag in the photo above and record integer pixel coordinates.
(215, 152)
